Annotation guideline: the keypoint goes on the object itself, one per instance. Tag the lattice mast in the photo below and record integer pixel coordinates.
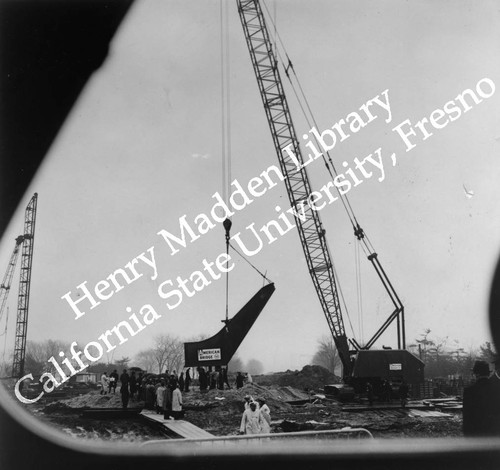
(24, 288)
(311, 232)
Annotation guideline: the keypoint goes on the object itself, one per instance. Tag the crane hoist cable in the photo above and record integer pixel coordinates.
(225, 101)
(343, 198)
(246, 259)
(358, 231)
(225, 129)
(359, 291)
(309, 116)
(226, 135)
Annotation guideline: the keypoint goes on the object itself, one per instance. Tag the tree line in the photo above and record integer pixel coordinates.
(442, 357)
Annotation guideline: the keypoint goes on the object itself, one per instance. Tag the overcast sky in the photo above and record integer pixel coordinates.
(142, 148)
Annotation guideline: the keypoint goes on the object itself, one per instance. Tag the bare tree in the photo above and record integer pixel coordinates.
(327, 355)
(168, 353)
(39, 352)
(146, 360)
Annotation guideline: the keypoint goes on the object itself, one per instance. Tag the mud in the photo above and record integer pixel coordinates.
(219, 412)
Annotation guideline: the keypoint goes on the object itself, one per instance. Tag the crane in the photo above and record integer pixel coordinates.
(25, 241)
(310, 228)
(24, 287)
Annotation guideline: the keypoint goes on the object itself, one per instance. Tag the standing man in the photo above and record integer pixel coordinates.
(181, 381)
(160, 395)
(167, 399)
(266, 414)
(480, 404)
(187, 380)
(104, 383)
(177, 402)
(225, 379)
(124, 379)
(252, 420)
(113, 380)
(239, 380)
(203, 378)
(132, 385)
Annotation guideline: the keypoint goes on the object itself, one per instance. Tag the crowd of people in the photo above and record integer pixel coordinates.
(163, 393)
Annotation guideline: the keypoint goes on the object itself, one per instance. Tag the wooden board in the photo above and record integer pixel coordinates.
(181, 427)
(428, 414)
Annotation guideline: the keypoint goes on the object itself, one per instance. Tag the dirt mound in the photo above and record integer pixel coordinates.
(276, 397)
(92, 399)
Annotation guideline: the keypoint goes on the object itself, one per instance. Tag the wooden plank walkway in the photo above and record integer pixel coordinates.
(428, 414)
(182, 428)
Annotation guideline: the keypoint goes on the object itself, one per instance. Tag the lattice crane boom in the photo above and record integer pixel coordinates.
(311, 231)
(7, 279)
(24, 287)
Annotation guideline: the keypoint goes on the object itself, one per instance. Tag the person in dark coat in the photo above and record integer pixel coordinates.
(124, 390)
(203, 379)
(150, 399)
(167, 399)
(220, 379)
(187, 381)
(239, 380)
(181, 382)
(113, 381)
(481, 404)
(139, 387)
(225, 379)
(133, 385)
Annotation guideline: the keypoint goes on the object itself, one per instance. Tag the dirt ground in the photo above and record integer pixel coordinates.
(219, 412)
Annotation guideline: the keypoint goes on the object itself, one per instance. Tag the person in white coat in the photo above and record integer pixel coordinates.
(177, 402)
(249, 399)
(104, 383)
(266, 415)
(160, 396)
(252, 420)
